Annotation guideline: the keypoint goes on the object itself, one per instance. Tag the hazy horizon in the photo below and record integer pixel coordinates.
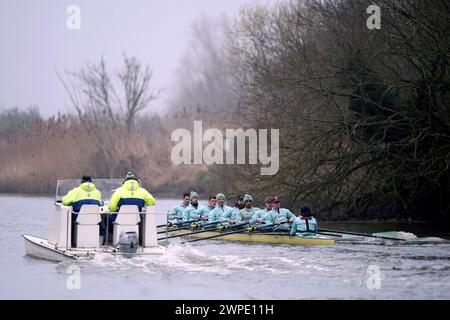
(34, 37)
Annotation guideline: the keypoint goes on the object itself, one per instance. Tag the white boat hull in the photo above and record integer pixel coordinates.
(41, 248)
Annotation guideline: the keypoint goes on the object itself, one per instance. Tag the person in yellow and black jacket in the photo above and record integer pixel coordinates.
(130, 193)
(85, 193)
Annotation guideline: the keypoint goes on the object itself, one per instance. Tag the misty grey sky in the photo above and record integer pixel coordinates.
(34, 36)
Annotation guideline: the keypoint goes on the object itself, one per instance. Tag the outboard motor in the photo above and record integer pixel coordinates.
(128, 242)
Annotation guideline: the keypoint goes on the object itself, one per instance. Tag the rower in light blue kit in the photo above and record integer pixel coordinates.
(221, 212)
(206, 210)
(279, 216)
(232, 213)
(305, 225)
(248, 211)
(191, 212)
(261, 214)
(177, 211)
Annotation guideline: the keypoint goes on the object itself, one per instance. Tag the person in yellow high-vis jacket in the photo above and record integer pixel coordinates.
(85, 193)
(130, 193)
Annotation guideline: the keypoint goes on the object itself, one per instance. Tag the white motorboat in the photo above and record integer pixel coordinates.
(134, 233)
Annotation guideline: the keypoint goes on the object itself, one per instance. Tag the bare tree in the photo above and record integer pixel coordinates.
(135, 82)
(108, 106)
(204, 80)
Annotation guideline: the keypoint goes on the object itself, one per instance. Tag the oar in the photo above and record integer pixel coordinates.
(202, 231)
(173, 229)
(188, 234)
(164, 225)
(322, 233)
(360, 234)
(330, 234)
(176, 223)
(187, 228)
(232, 232)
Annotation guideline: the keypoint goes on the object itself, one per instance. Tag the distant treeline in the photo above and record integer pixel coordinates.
(364, 115)
(14, 119)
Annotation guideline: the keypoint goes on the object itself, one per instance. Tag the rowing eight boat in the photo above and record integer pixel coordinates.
(259, 237)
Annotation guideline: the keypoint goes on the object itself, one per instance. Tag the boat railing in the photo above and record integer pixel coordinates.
(106, 213)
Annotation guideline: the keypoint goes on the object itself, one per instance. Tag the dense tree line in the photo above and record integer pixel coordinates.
(364, 114)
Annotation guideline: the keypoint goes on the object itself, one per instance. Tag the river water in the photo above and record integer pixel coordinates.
(221, 270)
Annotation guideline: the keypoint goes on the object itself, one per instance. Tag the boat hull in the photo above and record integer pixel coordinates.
(41, 248)
(262, 238)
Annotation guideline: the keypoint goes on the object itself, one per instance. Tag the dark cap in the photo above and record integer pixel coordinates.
(86, 179)
(306, 211)
(275, 199)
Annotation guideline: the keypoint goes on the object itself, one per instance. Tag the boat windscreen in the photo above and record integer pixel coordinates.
(105, 186)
